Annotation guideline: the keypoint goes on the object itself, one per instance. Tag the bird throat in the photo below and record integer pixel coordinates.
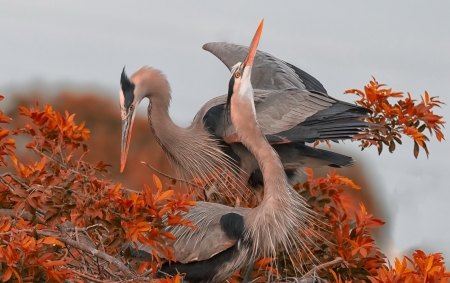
(192, 151)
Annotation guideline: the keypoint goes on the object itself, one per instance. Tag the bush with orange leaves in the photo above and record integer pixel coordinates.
(62, 219)
(403, 117)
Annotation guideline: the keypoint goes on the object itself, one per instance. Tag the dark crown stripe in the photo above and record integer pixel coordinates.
(127, 89)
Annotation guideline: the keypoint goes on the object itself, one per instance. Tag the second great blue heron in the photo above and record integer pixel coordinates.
(228, 238)
(291, 106)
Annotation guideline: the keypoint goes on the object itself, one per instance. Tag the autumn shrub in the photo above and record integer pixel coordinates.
(61, 218)
(391, 120)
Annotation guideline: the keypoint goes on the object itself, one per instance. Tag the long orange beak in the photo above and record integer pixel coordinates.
(254, 45)
(127, 126)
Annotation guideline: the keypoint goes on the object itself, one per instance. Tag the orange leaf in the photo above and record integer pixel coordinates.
(16, 273)
(51, 240)
(168, 235)
(264, 261)
(164, 210)
(5, 227)
(7, 274)
(143, 266)
(174, 219)
(349, 183)
(165, 195)
(363, 252)
(58, 262)
(153, 233)
(429, 263)
(45, 257)
(144, 227)
(157, 182)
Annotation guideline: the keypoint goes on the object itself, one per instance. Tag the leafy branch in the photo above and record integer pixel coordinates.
(391, 120)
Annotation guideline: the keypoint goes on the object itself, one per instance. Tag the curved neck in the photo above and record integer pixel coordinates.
(192, 151)
(162, 126)
(158, 115)
(274, 177)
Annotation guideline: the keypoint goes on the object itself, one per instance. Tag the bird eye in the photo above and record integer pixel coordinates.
(237, 75)
(131, 107)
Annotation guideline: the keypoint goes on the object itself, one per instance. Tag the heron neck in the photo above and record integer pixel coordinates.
(274, 177)
(163, 127)
(191, 150)
(158, 113)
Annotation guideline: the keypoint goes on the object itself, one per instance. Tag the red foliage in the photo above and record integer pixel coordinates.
(61, 219)
(422, 268)
(345, 228)
(58, 193)
(392, 120)
(7, 146)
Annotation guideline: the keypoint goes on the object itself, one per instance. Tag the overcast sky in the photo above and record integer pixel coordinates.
(343, 44)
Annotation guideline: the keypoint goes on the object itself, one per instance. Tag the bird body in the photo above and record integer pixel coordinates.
(212, 140)
(289, 119)
(291, 106)
(228, 238)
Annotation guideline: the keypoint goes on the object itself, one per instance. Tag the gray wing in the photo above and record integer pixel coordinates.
(282, 110)
(289, 116)
(290, 104)
(268, 72)
(198, 244)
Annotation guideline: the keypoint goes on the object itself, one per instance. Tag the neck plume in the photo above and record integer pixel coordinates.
(283, 215)
(192, 151)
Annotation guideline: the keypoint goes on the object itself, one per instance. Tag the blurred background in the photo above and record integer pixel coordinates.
(70, 54)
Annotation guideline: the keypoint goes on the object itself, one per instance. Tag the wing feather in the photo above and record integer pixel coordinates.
(269, 72)
(290, 104)
(207, 240)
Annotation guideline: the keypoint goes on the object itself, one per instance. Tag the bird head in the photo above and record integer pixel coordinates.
(240, 82)
(145, 83)
(128, 103)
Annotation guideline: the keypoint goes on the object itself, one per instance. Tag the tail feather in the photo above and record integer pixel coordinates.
(296, 156)
(340, 121)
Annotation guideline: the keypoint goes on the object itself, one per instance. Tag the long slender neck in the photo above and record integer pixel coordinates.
(154, 86)
(275, 181)
(192, 151)
(283, 216)
(169, 135)
(158, 114)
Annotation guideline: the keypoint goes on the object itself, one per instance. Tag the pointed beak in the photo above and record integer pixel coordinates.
(253, 46)
(127, 126)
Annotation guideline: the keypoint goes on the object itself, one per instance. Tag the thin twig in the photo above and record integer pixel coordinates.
(170, 177)
(120, 266)
(24, 214)
(100, 238)
(83, 259)
(89, 277)
(57, 161)
(6, 183)
(322, 266)
(68, 190)
(85, 229)
(14, 178)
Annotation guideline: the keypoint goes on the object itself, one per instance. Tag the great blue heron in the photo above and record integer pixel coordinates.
(292, 108)
(229, 238)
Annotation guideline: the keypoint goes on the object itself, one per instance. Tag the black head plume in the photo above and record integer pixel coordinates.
(127, 89)
(124, 81)
(230, 93)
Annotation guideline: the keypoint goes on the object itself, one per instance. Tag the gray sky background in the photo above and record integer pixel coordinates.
(405, 44)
